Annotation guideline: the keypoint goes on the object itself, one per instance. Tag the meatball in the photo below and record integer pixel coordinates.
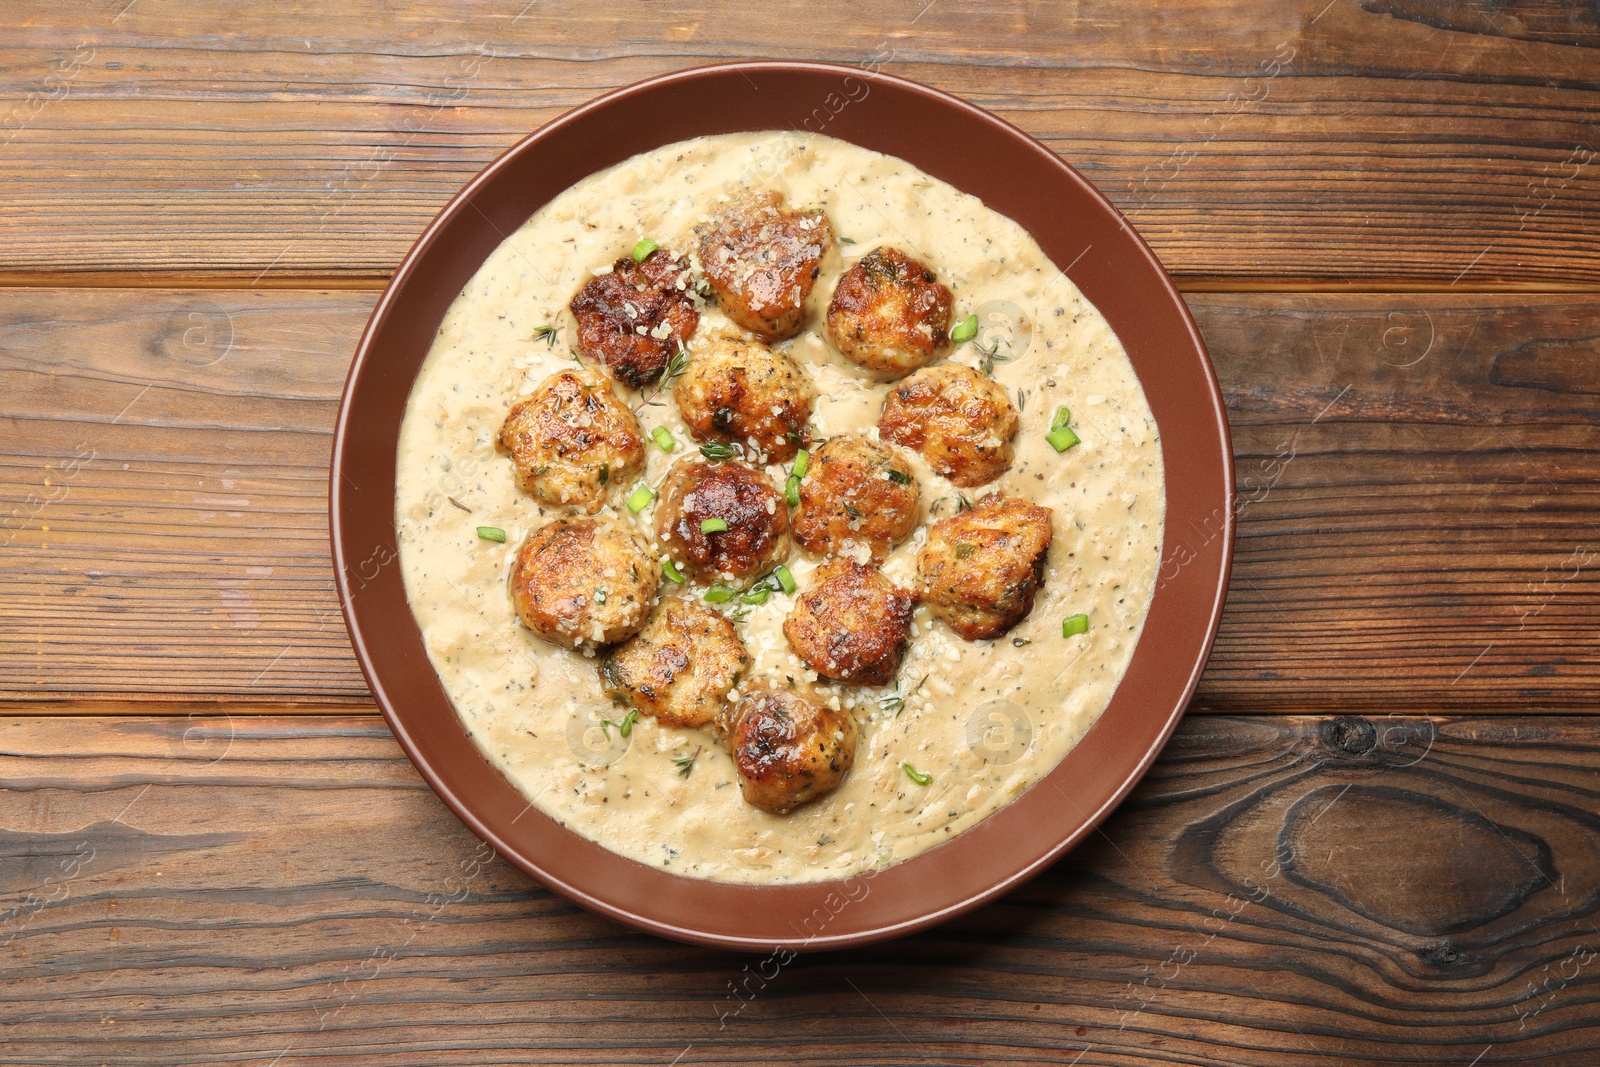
(853, 626)
(762, 261)
(571, 439)
(889, 313)
(744, 391)
(856, 492)
(581, 582)
(981, 567)
(961, 421)
(695, 494)
(680, 667)
(635, 317)
(787, 749)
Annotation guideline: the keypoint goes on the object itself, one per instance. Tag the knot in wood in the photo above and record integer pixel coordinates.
(1349, 736)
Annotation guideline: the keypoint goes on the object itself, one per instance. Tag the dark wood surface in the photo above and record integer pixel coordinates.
(1278, 891)
(1377, 845)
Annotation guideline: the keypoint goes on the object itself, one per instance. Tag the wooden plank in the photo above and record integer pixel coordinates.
(1280, 891)
(1381, 141)
(1420, 517)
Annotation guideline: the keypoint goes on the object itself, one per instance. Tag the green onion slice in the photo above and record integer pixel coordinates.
(965, 330)
(720, 594)
(492, 533)
(1074, 624)
(670, 569)
(802, 463)
(791, 491)
(642, 250)
(640, 498)
(1062, 439)
(1062, 417)
(916, 775)
(756, 595)
(785, 579)
(711, 526)
(663, 439)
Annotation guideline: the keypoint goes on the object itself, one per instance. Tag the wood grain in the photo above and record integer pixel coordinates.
(1401, 141)
(1419, 495)
(1279, 891)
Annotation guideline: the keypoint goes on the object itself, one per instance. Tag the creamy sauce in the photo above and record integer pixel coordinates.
(985, 719)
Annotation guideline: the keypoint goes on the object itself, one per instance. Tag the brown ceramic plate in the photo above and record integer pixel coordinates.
(975, 152)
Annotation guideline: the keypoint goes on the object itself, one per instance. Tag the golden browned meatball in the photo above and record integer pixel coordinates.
(981, 567)
(636, 317)
(722, 520)
(744, 391)
(762, 261)
(680, 667)
(572, 439)
(786, 748)
(852, 625)
(856, 492)
(581, 582)
(961, 421)
(889, 313)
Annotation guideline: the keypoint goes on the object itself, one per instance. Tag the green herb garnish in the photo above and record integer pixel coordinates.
(642, 250)
(640, 498)
(711, 526)
(916, 775)
(802, 463)
(785, 579)
(670, 569)
(965, 330)
(492, 533)
(1074, 624)
(720, 594)
(685, 764)
(899, 477)
(547, 334)
(663, 439)
(791, 491)
(720, 450)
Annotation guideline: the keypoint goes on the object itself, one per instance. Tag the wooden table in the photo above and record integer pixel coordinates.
(1376, 837)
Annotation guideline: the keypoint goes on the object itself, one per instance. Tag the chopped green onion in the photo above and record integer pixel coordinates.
(719, 594)
(802, 463)
(1062, 417)
(791, 491)
(642, 250)
(711, 526)
(492, 533)
(1074, 624)
(785, 579)
(670, 569)
(640, 498)
(1062, 439)
(720, 450)
(755, 595)
(965, 330)
(663, 439)
(916, 775)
